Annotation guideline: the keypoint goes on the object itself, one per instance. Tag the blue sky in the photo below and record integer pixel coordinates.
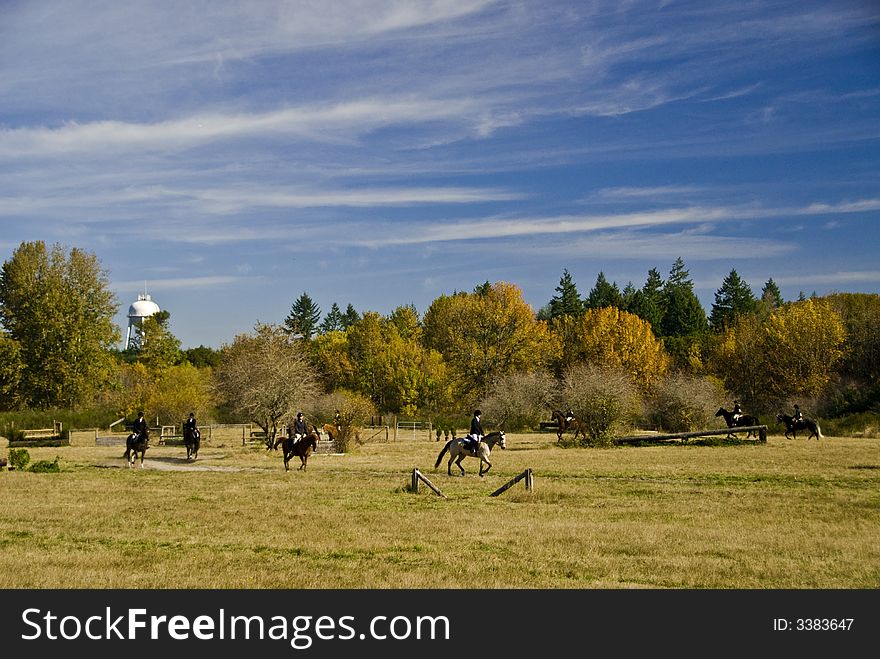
(233, 155)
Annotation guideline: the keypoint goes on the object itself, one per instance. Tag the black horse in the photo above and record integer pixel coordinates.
(136, 445)
(567, 421)
(792, 426)
(302, 448)
(743, 420)
(193, 440)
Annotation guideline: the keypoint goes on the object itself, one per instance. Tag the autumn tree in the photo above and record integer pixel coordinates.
(739, 358)
(159, 349)
(805, 342)
(265, 376)
(11, 367)
(520, 400)
(793, 354)
(390, 364)
(614, 339)
(604, 400)
(56, 305)
(485, 335)
(179, 390)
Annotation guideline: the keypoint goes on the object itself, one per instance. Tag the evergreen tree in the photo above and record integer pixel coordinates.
(604, 294)
(350, 317)
(627, 297)
(734, 298)
(568, 301)
(684, 315)
(303, 317)
(771, 295)
(333, 321)
(647, 303)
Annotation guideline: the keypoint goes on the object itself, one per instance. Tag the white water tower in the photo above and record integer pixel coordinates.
(142, 308)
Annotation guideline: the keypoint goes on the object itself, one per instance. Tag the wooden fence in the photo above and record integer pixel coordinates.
(684, 436)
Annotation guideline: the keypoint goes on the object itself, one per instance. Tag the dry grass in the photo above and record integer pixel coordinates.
(788, 514)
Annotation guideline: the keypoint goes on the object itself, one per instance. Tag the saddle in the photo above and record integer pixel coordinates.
(470, 443)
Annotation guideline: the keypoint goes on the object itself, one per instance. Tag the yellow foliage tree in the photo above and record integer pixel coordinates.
(487, 334)
(803, 342)
(180, 390)
(614, 339)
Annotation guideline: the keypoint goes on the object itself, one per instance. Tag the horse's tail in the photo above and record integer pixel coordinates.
(442, 453)
(819, 431)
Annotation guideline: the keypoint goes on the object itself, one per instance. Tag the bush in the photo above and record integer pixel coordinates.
(19, 458)
(46, 466)
(519, 400)
(354, 411)
(603, 400)
(683, 402)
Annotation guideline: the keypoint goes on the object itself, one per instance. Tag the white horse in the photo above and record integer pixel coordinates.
(459, 450)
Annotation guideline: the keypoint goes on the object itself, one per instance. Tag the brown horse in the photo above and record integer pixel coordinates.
(302, 448)
(331, 430)
(459, 449)
(567, 421)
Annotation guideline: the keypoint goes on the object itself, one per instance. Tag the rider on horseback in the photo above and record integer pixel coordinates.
(737, 411)
(798, 415)
(299, 427)
(476, 433)
(190, 427)
(139, 428)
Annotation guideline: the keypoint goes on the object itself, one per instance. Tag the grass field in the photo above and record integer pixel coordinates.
(786, 514)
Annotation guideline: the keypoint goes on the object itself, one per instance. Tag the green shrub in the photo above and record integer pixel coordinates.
(603, 400)
(18, 458)
(46, 466)
(684, 402)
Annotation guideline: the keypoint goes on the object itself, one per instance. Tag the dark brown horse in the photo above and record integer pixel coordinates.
(792, 426)
(567, 421)
(302, 448)
(742, 420)
(193, 441)
(135, 446)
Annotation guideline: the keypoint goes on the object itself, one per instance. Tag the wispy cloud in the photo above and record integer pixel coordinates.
(840, 278)
(180, 283)
(494, 228)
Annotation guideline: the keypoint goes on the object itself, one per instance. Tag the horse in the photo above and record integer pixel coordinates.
(459, 450)
(332, 431)
(792, 426)
(135, 445)
(302, 447)
(567, 421)
(743, 420)
(193, 440)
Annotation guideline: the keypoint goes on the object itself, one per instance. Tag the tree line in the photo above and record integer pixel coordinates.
(653, 354)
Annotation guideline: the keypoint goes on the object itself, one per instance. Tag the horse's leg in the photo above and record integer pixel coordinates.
(486, 471)
(458, 462)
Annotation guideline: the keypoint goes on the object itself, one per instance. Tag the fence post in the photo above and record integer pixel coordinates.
(415, 481)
